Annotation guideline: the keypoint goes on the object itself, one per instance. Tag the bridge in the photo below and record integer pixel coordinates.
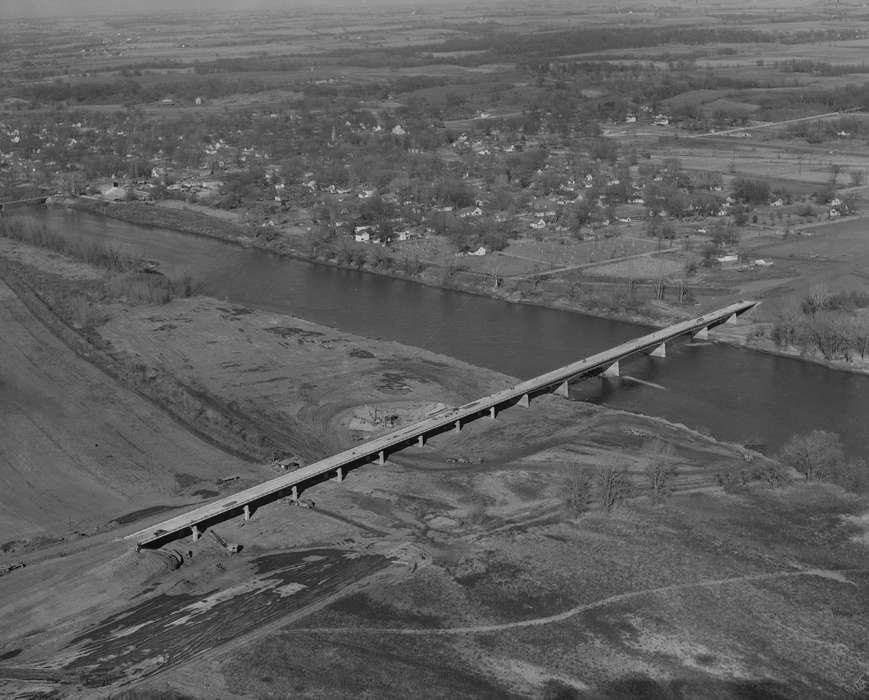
(377, 450)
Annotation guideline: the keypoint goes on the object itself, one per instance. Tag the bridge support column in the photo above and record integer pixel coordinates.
(660, 351)
(563, 389)
(731, 319)
(458, 426)
(295, 493)
(420, 440)
(612, 370)
(381, 458)
(492, 413)
(247, 512)
(525, 401)
(194, 531)
(702, 334)
(339, 474)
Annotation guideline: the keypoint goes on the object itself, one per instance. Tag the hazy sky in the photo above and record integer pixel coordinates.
(66, 8)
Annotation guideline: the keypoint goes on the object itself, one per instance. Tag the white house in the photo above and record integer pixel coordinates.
(362, 234)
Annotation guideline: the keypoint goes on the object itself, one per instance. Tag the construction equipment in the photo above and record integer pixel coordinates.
(229, 547)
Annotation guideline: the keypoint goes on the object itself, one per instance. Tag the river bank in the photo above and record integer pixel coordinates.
(745, 333)
(755, 336)
(547, 294)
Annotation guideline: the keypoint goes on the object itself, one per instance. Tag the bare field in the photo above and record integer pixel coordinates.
(78, 450)
(647, 267)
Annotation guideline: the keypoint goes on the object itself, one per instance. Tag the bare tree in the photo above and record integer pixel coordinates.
(860, 336)
(816, 300)
(835, 169)
(615, 486)
(815, 455)
(660, 469)
(577, 488)
(858, 177)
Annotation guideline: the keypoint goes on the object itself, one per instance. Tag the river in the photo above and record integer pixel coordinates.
(733, 393)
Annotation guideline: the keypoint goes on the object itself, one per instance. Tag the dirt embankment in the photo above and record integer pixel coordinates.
(45, 296)
(78, 449)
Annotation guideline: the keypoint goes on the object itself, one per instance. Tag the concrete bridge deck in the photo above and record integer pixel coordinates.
(604, 363)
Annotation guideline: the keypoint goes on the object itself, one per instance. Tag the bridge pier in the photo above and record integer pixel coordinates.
(731, 319)
(660, 351)
(295, 493)
(612, 370)
(247, 512)
(381, 458)
(420, 440)
(339, 474)
(492, 413)
(194, 531)
(524, 401)
(563, 389)
(458, 426)
(702, 334)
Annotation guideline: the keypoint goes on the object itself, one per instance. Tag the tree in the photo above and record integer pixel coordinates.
(577, 488)
(615, 486)
(751, 191)
(815, 455)
(455, 193)
(835, 169)
(660, 469)
(858, 177)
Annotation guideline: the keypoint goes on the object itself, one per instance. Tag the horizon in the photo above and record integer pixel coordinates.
(62, 9)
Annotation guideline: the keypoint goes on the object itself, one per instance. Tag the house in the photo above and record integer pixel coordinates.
(362, 234)
(729, 260)
(115, 194)
(538, 225)
(398, 130)
(479, 251)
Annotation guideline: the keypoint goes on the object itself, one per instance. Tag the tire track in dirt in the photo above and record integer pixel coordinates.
(835, 574)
